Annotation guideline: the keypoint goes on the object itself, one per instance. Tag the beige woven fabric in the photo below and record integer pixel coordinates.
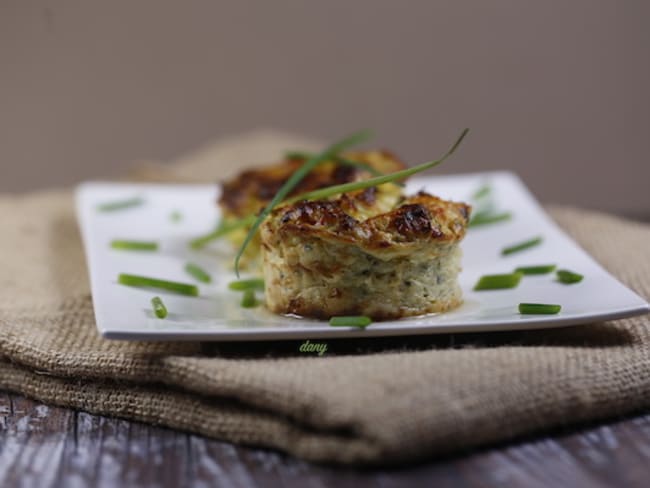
(382, 401)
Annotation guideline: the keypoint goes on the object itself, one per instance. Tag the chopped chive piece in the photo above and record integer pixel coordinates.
(536, 270)
(498, 281)
(378, 180)
(568, 277)
(489, 218)
(134, 245)
(535, 241)
(198, 272)
(222, 229)
(159, 307)
(351, 321)
(483, 191)
(120, 204)
(249, 284)
(293, 180)
(175, 216)
(539, 308)
(248, 299)
(146, 282)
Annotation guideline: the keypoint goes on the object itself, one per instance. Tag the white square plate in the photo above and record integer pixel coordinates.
(125, 313)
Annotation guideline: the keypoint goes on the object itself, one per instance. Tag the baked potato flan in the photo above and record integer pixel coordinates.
(352, 256)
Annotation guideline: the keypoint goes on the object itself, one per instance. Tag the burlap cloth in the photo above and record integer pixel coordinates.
(382, 401)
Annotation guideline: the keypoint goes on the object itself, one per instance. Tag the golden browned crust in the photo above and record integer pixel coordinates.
(252, 189)
(420, 220)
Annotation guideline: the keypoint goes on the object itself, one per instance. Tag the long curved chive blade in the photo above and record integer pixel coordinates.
(146, 282)
(325, 192)
(568, 277)
(134, 245)
(293, 180)
(360, 321)
(521, 246)
(498, 281)
(536, 270)
(221, 230)
(379, 180)
(248, 299)
(488, 218)
(539, 308)
(120, 204)
(198, 273)
(249, 284)
(159, 307)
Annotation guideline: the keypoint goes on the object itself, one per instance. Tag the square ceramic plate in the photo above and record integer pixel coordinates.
(125, 313)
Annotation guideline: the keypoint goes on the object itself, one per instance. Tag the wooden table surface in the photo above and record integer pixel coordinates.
(43, 446)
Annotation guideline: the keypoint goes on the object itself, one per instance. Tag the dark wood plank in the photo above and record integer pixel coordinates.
(48, 446)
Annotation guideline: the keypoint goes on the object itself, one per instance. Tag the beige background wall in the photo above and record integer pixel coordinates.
(556, 90)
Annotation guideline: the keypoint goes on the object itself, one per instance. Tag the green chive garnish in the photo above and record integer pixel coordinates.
(293, 180)
(175, 216)
(120, 204)
(535, 241)
(539, 308)
(198, 272)
(379, 180)
(159, 307)
(498, 281)
(483, 191)
(248, 284)
(536, 270)
(222, 229)
(483, 218)
(248, 299)
(360, 321)
(568, 277)
(134, 245)
(146, 282)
